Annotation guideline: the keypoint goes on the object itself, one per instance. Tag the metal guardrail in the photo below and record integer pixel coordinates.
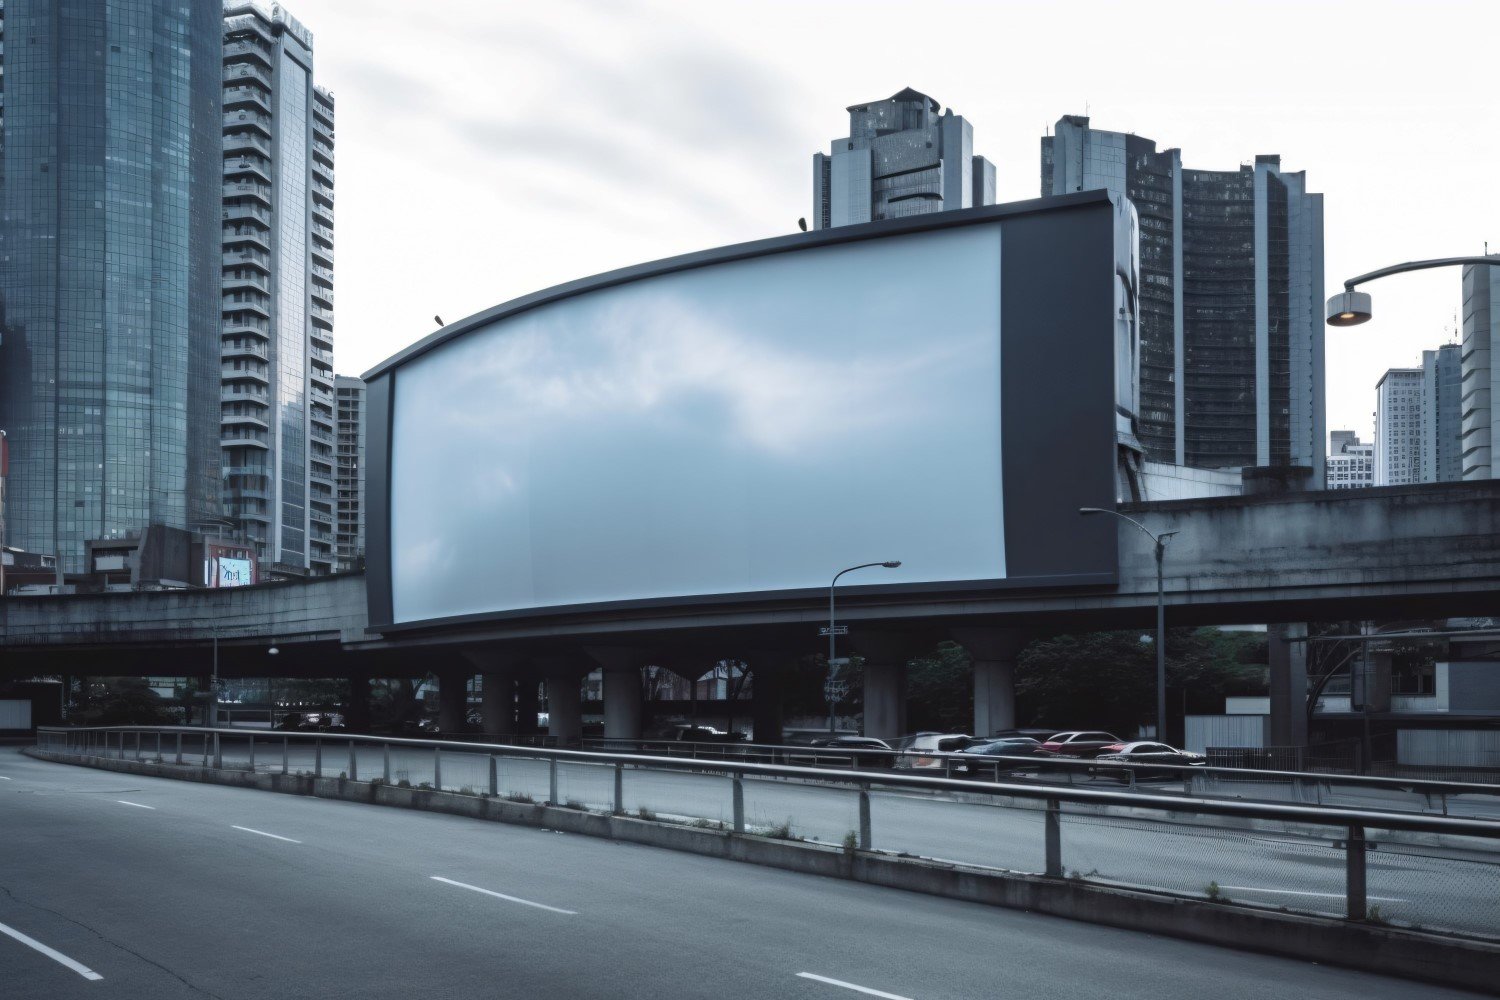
(1344, 830)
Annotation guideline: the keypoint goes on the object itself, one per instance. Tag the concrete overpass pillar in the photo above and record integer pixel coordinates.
(1288, 658)
(564, 677)
(497, 693)
(886, 655)
(453, 701)
(357, 710)
(993, 652)
(768, 673)
(622, 690)
(528, 702)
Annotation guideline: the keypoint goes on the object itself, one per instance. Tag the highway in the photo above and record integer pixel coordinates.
(163, 889)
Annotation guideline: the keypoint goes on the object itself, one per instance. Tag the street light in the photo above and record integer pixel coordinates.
(1351, 308)
(828, 687)
(1160, 542)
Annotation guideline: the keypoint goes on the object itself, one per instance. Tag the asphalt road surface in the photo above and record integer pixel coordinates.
(121, 886)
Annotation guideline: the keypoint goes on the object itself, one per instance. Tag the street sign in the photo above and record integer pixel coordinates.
(839, 661)
(834, 630)
(834, 691)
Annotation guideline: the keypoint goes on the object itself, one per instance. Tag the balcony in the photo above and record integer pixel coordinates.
(244, 349)
(244, 48)
(244, 420)
(246, 440)
(244, 374)
(322, 214)
(247, 168)
(249, 280)
(248, 189)
(245, 304)
(322, 129)
(246, 236)
(247, 210)
(236, 323)
(322, 155)
(321, 296)
(247, 258)
(321, 173)
(247, 71)
(321, 315)
(324, 233)
(246, 97)
(241, 120)
(239, 391)
(246, 142)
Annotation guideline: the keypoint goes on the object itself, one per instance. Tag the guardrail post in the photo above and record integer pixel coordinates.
(218, 754)
(385, 753)
(1354, 848)
(137, 744)
(285, 740)
(179, 748)
(494, 776)
(205, 750)
(353, 763)
(552, 782)
(1053, 829)
(619, 788)
(739, 804)
(1130, 771)
(437, 768)
(252, 753)
(318, 757)
(864, 818)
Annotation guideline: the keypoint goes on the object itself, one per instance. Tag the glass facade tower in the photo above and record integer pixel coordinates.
(277, 364)
(109, 318)
(1231, 298)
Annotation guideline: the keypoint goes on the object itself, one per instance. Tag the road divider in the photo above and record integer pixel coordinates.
(137, 805)
(52, 953)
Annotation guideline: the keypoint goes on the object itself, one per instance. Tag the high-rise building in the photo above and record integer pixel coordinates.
(1481, 336)
(349, 533)
(1398, 427)
(1231, 298)
(277, 411)
(901, 157)
(109, 283)
(1351, 465)
(1442, 455)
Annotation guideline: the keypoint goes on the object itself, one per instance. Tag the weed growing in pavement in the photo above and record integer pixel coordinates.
(575, 804)
(1374, 917)
(343, 775)
(1214, 893)
(708, 824)
(403, 783)
(851, 842)
(521, 797)
(466, 790)
(783, 831)
(645, 813)
(425, 785)
(376, 781)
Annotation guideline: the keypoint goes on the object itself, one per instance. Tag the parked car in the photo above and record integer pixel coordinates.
(1082, 743)
(927, 750)
(870, 758)
(704, 734)
(1144, 752)
(1010, 746)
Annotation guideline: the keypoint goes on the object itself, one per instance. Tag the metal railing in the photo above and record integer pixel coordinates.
(1432, 871)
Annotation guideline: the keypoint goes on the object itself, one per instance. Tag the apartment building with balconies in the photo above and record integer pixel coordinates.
(277, 385)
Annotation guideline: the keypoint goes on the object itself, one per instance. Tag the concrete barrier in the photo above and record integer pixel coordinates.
(1450, 961)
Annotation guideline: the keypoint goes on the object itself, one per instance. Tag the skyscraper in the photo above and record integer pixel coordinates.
(1231, 298)
(109, 209)
(1481, 325)
(1442, 454)
(349, 535)
(1351, 465)
(1398, 427)
(277, 409)
(900, 158)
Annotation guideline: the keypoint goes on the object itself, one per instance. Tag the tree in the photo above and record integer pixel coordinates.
(1107, 680)
(940, 690)
(124, 701)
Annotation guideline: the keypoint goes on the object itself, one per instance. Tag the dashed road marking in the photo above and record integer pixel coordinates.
(56, 956)
(501, 895)
(273, 836)
(124, 802)
(851, 986)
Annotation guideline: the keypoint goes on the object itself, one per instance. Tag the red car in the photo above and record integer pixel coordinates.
(1080, 744)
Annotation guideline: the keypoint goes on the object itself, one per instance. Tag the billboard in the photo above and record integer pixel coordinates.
(228, 565)
(747, 422)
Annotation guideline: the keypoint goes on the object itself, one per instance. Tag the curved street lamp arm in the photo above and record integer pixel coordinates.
(1157, 539)
(1419, 265)
(851, 569)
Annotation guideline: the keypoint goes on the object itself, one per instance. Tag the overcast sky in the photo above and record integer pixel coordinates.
(488, 148)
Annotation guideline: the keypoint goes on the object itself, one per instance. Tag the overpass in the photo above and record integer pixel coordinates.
(1398, 552)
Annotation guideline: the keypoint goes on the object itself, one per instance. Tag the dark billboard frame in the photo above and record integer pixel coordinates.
(1062, 281)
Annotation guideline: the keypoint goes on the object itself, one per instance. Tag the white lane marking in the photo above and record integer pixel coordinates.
(4, 778)
(56, 956)
(273, 836)
(1298, 892)
(136, 804)
(501, 895)
(852, 986)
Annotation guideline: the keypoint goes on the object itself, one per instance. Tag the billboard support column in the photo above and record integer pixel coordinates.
(564, 700)
(497, 704)
(993, 652)
(453, 700)
(886, 655)
(768, 671)
(357, 711)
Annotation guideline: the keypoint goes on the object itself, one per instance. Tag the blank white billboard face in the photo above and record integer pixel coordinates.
(743, 427)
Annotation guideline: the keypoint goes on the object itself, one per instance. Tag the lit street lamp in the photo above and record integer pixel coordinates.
(830, 687)
(1160, 542)
(1351, 308)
